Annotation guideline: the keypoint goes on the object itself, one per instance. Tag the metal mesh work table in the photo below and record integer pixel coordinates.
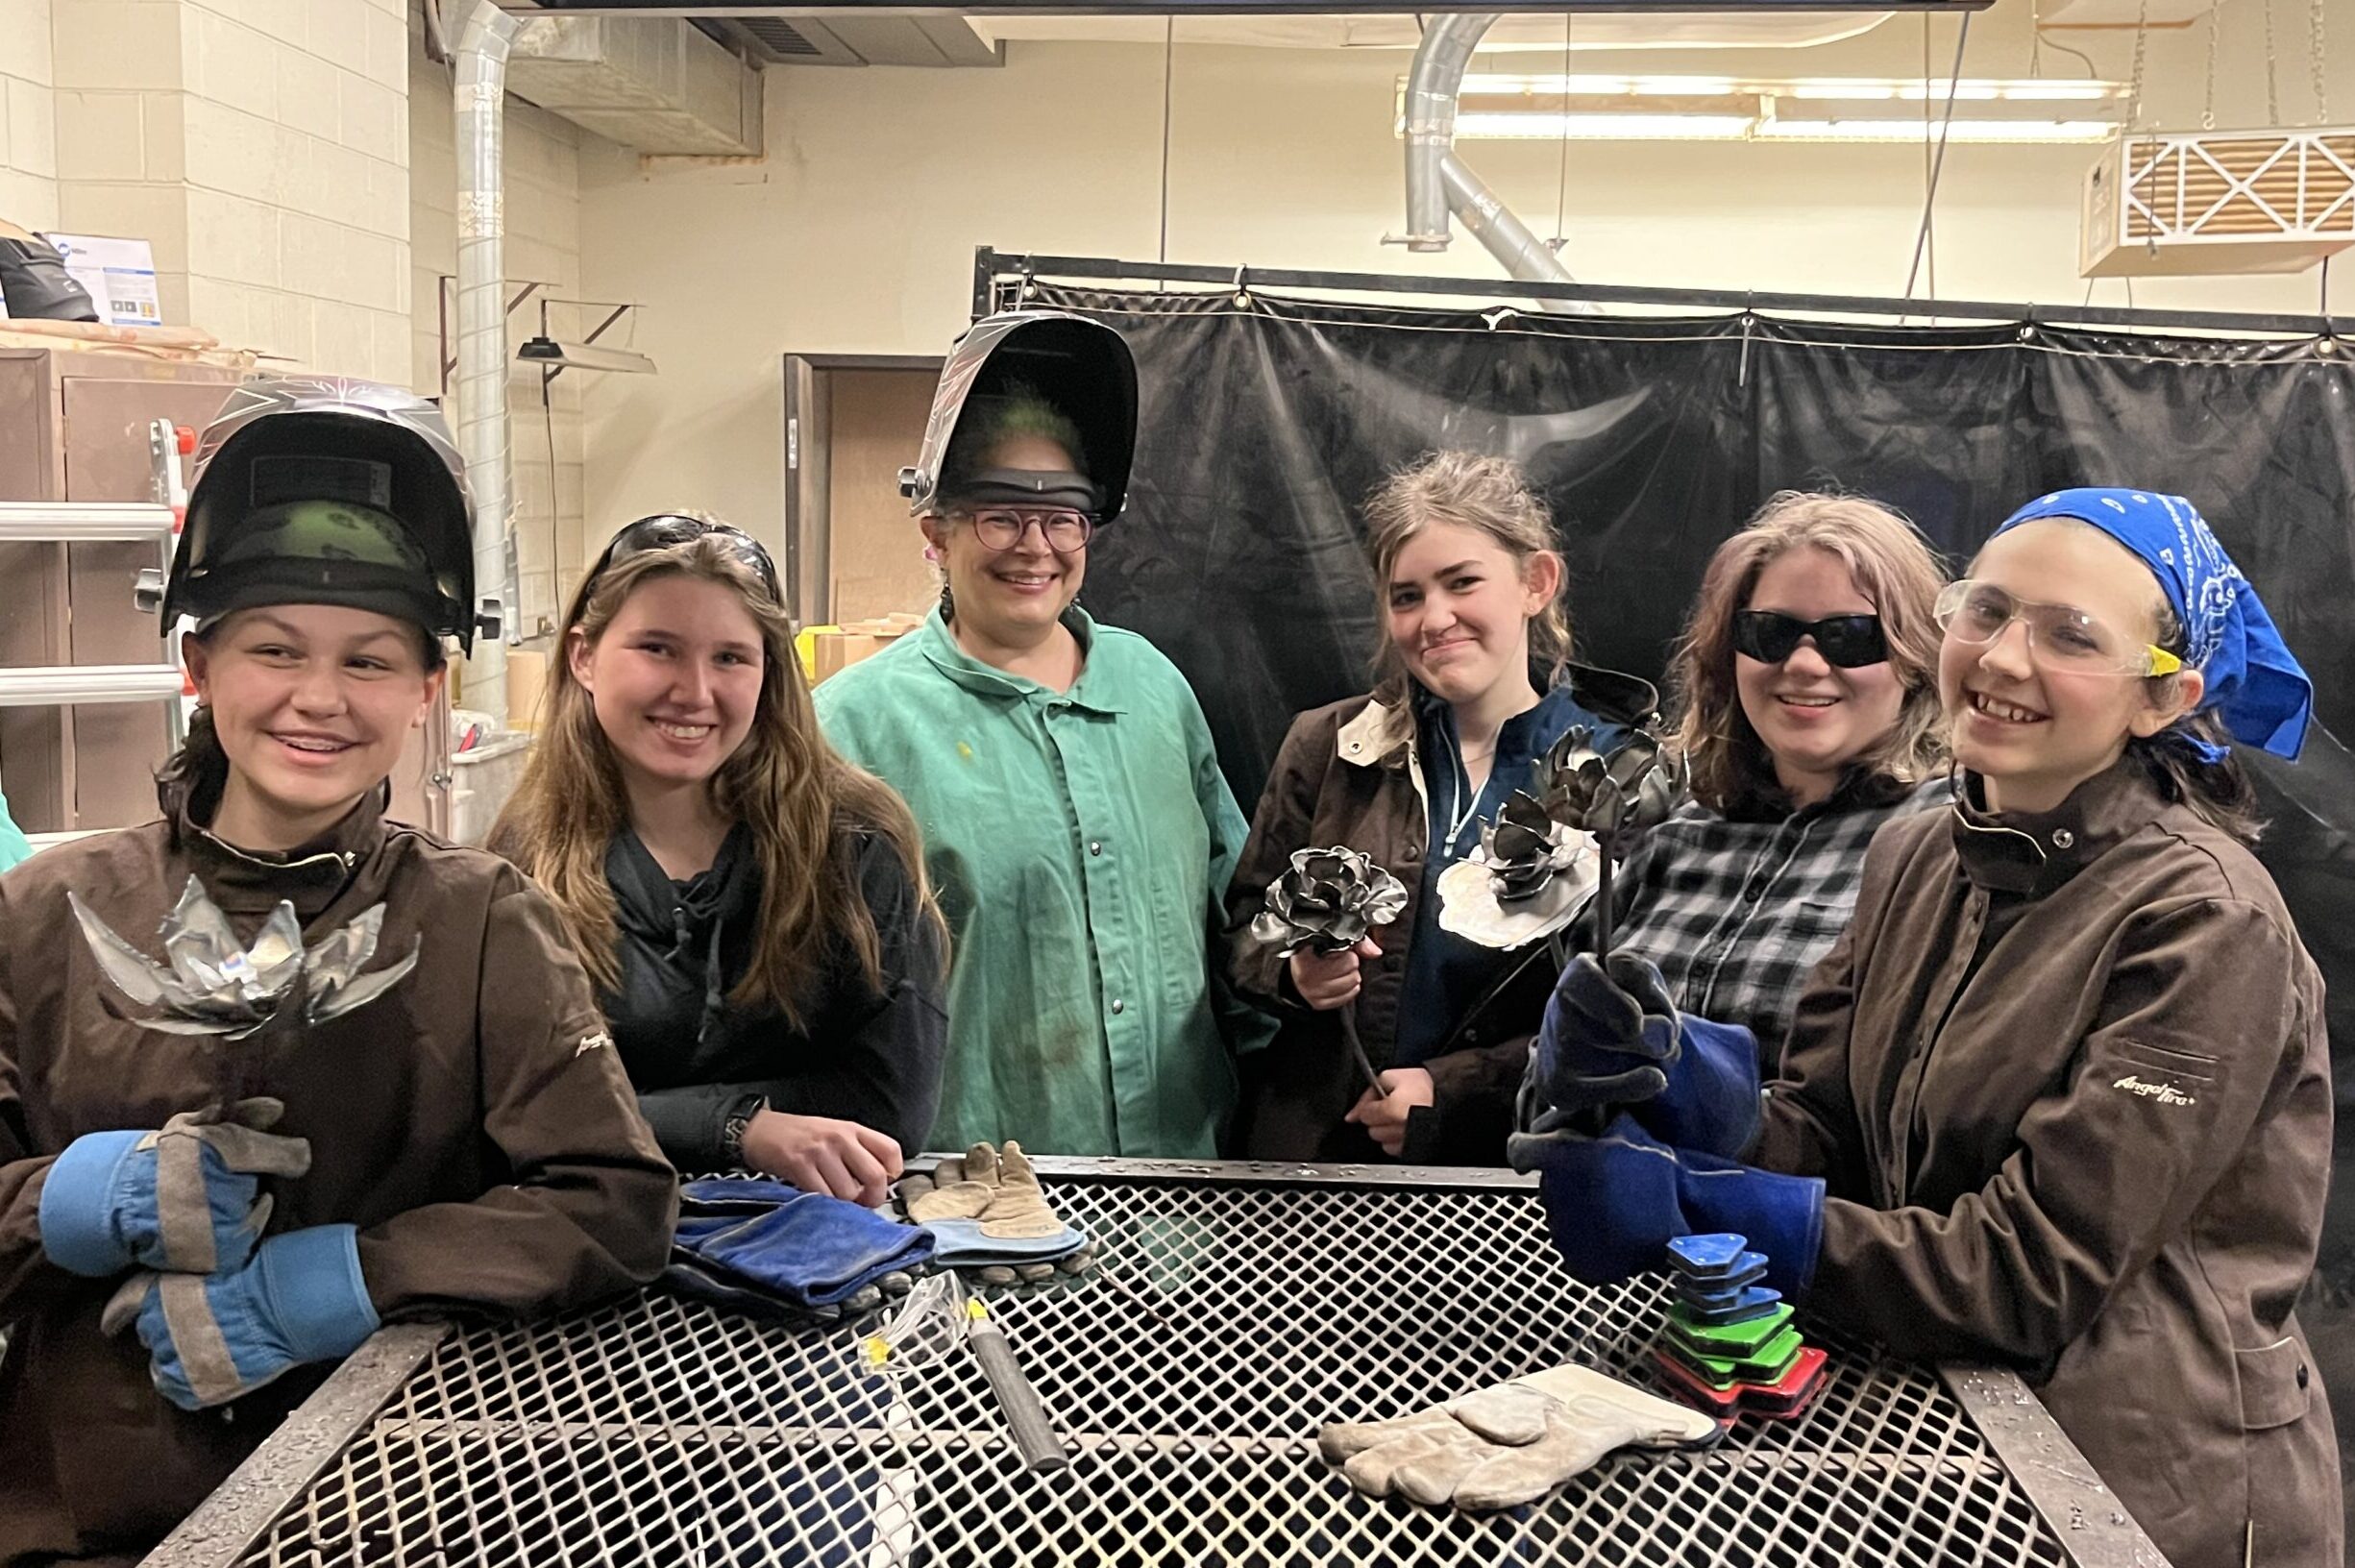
(1251, 1305)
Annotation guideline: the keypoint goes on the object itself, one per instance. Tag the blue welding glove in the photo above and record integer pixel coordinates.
(1615, 1202)
(215, 1338)
(184, 1198)
(742, 1243)
(1616, 1040)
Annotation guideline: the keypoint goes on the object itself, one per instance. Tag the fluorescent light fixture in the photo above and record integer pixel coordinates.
(1606, 127)
(1595, 106)
(552, 355)
(2017, 131)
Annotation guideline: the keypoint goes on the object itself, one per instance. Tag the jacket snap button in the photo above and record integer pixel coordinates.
(1356, 746)
(2062, 838)
(1118, 1005)
(2301, 1374)
(1096, 846)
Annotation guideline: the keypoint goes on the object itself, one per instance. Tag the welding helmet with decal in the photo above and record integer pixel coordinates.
(1082, 368)
(323, 490)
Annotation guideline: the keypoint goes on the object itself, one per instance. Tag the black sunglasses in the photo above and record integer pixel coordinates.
(1848, 641)
(667, 530)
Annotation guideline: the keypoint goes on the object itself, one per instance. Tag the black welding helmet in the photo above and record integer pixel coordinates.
(1080, 367)
(320, 490)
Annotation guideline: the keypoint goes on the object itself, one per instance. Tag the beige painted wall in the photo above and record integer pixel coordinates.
(543, 211)
(28, 123)
(261, 146)
(856, 234)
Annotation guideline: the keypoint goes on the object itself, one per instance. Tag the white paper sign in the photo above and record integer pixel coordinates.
(119, 275)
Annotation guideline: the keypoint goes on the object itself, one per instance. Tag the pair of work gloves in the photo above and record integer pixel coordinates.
(760, 1244)
(222, 1309)
(1511, 1443)
(1634, 1114)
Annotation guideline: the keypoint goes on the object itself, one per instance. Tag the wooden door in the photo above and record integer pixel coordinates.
(876, 555)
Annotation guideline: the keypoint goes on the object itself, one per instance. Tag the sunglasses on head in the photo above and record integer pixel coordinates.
(668, 530)
(1846, 641)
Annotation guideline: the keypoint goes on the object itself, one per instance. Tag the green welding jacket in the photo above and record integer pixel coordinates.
(1080, 843)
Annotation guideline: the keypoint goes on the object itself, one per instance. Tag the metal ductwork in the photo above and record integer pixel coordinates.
(482, 384)
(1438, 183)
(651, 82)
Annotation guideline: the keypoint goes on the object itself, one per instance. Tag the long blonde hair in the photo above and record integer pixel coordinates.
(803, 803)
(1893, 568)
(1486, 493)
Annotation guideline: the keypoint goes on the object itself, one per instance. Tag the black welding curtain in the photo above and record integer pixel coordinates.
(1266, 423)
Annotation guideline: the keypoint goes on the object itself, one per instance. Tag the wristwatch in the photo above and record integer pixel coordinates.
(731, 1130)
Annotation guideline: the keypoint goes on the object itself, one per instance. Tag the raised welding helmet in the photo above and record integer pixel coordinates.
(323, 490)
(1081, 367)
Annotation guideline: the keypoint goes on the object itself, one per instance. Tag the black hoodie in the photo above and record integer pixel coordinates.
(695, 1056)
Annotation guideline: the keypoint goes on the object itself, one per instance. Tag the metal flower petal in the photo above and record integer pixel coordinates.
(1328, 901)
(212, 986)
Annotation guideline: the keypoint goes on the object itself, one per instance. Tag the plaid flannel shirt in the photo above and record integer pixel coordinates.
(1736, 912)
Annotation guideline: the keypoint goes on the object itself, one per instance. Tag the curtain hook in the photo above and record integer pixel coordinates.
(1242, 286)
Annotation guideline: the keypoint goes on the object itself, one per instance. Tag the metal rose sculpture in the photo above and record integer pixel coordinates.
(213, 985)
(1530, 877)
(1327, 902)
(1616, 795)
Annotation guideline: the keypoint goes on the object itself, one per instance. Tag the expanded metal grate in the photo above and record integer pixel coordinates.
(1232, 1318)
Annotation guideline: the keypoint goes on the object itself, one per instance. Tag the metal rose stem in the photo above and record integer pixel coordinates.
(1357, 1049)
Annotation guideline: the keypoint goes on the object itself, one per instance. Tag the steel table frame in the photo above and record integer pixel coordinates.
(2091, 1526)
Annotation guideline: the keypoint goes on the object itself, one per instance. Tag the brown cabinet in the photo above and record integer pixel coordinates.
(73, 429)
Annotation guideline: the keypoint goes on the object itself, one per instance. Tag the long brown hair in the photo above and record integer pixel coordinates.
(1490, 495)
(803, 803)
(1896, 572)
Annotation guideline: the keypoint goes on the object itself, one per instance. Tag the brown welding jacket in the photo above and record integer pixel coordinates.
(1348, 775)
(2068, 1080)
(471, 1121)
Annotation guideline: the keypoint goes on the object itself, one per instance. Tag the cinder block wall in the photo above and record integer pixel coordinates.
(27, 134)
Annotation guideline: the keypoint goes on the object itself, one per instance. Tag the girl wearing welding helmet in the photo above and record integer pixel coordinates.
(752, 907)
(359, 1079)
(1074, 819)
(2060, 1097)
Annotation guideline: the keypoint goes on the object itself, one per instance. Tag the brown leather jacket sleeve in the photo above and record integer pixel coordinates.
(1808, 1124)
(1280, 824)
(28, 1279)
(589, 1206)
(2205, 990)
(1471, 1113)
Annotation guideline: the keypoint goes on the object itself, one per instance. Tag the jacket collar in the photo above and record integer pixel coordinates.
(1382, 735)
(310, 876)
(2032, 854)
(939, 645)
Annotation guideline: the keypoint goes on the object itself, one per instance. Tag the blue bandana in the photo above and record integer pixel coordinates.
(2255, 685)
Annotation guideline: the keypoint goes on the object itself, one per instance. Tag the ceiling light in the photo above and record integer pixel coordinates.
(2021, 131)
(1606, 127)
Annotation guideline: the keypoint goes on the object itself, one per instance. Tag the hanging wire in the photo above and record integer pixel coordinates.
(2315, 38)
(1930, 199)
(1169, 69)
(2207, 111)
(2272, 82)
(2134, 78)
(2037, 44)
(1561, 189)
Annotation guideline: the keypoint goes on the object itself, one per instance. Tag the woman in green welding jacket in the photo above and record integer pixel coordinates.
(1075, 823)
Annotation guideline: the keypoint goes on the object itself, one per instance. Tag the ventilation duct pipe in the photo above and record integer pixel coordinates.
(481, 383)
(1438, 183)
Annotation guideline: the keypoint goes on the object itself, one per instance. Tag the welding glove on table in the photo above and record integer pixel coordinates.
(989, 1213)
(1509, 1445)
(1613, 1039)
(184, 1198)
(755, 1246)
